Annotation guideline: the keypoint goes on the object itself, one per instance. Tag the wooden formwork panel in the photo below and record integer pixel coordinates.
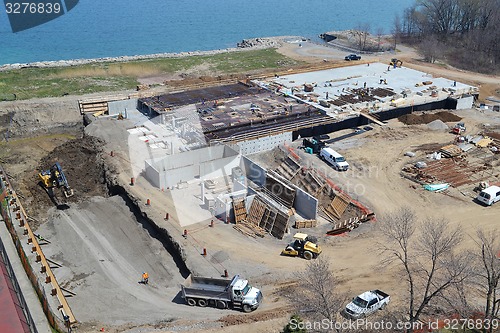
(268, 218)
(92, 107)
(292, 164)
(338, 205)
(312, 184)
(256, 211)
(240, 211)
(280, 225)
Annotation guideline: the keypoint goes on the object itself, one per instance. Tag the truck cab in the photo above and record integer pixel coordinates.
(334, 159)
(245, 294)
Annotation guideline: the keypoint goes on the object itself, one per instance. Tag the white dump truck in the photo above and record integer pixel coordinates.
(235, 293)
(334, 159)
(366, 303)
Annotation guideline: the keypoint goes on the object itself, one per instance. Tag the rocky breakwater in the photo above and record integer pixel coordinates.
(268, 42)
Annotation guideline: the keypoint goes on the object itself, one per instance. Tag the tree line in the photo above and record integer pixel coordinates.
(465, 33)
(443, 279)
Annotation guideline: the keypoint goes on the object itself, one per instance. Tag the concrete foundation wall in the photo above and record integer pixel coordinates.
(305, 204)
(171, 170)
(383, 115)
(116, 107)
(191, 157)
(170, 178)
(253, 171)
(153, 175)
(218, 168)
(465, 102)
(265, 143)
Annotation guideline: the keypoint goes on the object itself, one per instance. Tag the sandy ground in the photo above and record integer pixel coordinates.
(104, 248)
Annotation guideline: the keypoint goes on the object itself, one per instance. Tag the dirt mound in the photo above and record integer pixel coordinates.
(230, 320)
(81, 162)
(415, 119)
(494, 135)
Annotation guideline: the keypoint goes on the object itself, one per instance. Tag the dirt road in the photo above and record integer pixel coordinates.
(104, 250)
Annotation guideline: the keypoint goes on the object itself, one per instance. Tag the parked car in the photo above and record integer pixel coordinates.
(352, 57)
(366, 303)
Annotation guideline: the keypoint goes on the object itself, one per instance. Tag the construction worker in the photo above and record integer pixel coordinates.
(145, 277)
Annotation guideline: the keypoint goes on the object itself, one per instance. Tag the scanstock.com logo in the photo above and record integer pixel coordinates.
(26, 14)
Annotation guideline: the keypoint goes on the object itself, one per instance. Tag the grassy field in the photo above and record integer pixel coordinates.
(51, 82)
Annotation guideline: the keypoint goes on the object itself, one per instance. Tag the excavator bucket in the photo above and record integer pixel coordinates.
(68, 192)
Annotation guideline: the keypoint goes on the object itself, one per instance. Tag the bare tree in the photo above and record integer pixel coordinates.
(489, 275)
(430, 262)
(363, 31)
(317, 294)
(380, 33)
(396, 30)
(467, 31)
(430, 49)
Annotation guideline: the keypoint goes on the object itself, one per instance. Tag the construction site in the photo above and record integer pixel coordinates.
(215, 181)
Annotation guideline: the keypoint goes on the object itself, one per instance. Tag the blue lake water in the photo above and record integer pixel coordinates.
(105, 28)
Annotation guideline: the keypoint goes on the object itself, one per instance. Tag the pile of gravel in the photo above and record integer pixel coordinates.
(437, 125)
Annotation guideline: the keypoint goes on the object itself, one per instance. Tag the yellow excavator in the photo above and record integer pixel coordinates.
(396, 63)
(55, 177)
(303, 246)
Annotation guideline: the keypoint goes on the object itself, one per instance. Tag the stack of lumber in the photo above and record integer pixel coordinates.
(249, 229)
(450, 151)
(306, 224)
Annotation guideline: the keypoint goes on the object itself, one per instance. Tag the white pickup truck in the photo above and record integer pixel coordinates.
(366, 303)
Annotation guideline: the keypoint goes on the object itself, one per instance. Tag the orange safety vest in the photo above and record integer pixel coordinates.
(145, 276)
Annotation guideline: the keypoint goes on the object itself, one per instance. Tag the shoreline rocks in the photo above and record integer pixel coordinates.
(244, 45)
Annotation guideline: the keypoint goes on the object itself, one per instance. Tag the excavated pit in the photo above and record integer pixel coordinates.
(104, 241)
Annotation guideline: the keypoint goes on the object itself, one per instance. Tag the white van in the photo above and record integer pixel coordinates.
(334, 158)
(489, 195)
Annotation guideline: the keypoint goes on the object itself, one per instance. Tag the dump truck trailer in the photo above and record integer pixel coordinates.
(235, 293)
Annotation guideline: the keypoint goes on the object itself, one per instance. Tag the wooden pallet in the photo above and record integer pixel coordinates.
(256, 212)
(240, 211)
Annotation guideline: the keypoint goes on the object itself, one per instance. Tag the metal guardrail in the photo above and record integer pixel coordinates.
(17, 289)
